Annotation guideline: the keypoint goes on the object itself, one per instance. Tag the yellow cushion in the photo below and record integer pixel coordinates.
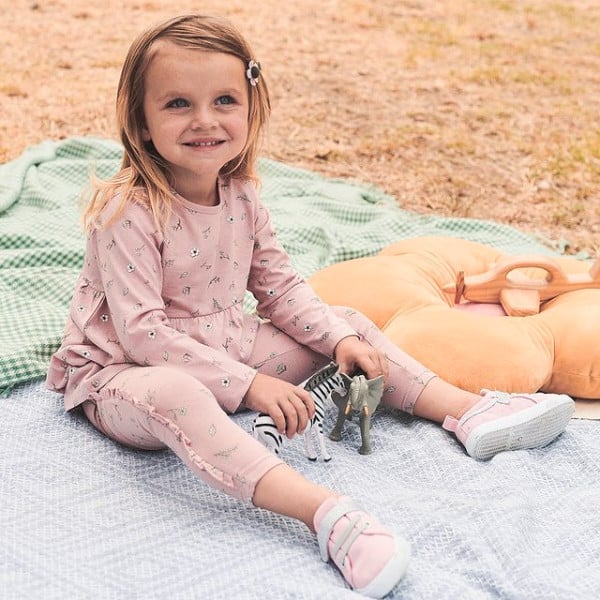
(476, 346)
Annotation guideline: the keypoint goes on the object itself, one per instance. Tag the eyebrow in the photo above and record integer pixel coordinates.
(173, 94)
(231, 91)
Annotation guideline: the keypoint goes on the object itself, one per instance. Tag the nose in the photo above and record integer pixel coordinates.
(204, 118)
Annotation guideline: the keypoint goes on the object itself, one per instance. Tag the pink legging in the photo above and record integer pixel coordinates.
(158, 407)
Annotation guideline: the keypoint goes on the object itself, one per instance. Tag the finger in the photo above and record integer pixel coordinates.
(376, 365)
(385, 366)
(301, 413)
(291, 417)
(382, 365)
(279, 419)
(347, 367)
(308, 402)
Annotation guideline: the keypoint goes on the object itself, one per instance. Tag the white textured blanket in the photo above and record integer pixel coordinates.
(83, 518)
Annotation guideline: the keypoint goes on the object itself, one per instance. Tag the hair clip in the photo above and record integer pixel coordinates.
(253, 72)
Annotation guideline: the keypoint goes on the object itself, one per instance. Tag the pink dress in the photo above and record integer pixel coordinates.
(175, 298)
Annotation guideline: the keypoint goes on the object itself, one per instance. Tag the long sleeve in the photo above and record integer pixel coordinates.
(286, 298)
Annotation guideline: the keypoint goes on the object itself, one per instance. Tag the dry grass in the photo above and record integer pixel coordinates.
(469, 108)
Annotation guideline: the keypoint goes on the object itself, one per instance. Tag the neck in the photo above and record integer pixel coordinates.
(207, 195)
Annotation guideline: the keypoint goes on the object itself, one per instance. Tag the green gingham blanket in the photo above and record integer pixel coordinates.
(320, 221)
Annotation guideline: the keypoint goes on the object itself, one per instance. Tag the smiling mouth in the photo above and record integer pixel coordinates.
(203, 144)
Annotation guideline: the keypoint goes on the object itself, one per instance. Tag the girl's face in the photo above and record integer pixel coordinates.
(196, 114)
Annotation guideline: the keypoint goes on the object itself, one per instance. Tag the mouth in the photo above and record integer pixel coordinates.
(204, 144)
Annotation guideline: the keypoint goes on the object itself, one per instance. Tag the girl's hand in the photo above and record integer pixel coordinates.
(289, 406)
(352, 353)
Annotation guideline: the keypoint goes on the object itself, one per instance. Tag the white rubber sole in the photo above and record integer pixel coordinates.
(391, 574)
(530, 428)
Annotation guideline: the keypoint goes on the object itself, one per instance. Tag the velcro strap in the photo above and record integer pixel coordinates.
(329, 520)
(450, 423)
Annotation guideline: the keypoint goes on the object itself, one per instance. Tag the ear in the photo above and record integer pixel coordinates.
(146, 137)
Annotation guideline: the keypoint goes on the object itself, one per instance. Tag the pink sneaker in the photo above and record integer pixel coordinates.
(502, 421)
(371, 558)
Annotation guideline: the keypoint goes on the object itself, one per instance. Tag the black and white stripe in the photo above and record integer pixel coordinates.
(321, 386)
(265, 431)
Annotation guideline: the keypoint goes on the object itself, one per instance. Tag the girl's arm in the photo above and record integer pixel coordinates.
(286, 298)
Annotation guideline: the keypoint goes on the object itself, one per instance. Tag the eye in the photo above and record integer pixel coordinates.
(225, 100)
(178, 103)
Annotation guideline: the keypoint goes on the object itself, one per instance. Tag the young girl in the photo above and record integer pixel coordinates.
(158, 350)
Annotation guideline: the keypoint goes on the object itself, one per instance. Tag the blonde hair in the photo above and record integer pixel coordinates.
(142, 169)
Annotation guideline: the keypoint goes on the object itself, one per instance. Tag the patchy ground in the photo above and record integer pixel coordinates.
(470, 108)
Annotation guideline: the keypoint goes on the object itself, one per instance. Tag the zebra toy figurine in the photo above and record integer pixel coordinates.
(321, 386)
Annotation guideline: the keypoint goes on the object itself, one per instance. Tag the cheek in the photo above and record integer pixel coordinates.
(158, 131)
(241, 127)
